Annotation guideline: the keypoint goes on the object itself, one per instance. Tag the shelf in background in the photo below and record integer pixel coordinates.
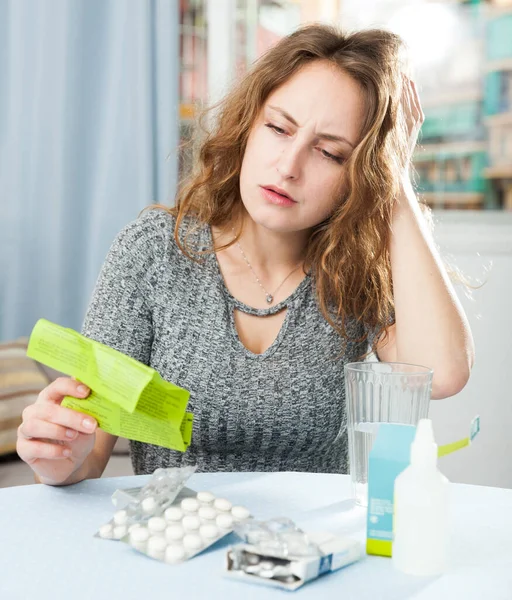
(434, 198)
(499, 119)
(497, 10)
(498, 172)
(502, 64)
(453, 97)
(462, 147)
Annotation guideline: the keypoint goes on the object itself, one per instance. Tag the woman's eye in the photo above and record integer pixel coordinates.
(338, 159)
(275, 128)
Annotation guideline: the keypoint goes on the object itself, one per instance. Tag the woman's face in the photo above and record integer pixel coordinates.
(298, 146)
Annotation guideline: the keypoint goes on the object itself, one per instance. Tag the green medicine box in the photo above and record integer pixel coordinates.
(389, 456)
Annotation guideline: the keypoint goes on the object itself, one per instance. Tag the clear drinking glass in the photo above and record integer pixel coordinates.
(380, 392)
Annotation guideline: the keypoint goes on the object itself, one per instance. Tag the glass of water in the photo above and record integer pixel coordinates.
(380, 392)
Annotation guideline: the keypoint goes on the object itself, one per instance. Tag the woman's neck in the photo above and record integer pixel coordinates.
(269, 252)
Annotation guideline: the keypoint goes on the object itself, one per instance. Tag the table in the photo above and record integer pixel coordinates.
(48, 551)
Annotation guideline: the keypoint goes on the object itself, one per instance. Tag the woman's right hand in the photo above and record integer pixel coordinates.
(55, 441)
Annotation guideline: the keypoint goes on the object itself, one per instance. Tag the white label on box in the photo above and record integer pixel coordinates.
(339, 559)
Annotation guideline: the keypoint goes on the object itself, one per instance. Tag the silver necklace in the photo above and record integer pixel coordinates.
(268, 296)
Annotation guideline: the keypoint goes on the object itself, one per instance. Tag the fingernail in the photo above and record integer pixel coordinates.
(66, 453)
(88, 423)
(70, 433)
(82, 389)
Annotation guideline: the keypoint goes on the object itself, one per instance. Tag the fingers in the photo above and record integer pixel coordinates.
(33, 450)
(408, 100)
(54, 414)
(411, 100)
(50, 431)
(417, 103)
(35, 428)
(408, 110)
(412, 114)
(63, 386)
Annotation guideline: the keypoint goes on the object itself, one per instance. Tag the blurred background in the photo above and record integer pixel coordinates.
(99, 97)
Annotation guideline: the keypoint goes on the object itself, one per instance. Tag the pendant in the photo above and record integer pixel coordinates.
(270, 298)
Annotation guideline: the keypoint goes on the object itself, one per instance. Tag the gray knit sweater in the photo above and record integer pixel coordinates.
(283, 410)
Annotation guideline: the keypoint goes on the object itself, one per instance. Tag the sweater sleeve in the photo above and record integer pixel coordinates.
(120, 310)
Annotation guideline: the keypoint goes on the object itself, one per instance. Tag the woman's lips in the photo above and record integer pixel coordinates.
(275, 198)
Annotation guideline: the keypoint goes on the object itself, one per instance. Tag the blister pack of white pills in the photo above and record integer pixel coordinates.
(277, 553)
(138, 505)
(279, 536)
(186, 528)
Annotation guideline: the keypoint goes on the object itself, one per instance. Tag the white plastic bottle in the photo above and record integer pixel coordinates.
(421, 510)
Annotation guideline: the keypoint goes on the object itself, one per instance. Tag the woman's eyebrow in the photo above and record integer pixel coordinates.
(325, 136)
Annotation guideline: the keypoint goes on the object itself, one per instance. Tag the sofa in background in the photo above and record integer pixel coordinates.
(21, 380)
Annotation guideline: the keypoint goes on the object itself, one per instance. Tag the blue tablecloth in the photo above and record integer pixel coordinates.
(47, 548)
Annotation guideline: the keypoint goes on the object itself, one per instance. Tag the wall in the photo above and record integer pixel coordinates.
(478, 241)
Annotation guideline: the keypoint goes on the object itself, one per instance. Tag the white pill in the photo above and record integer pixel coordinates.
(252, 559)
(148, 504)
(158, 555)
(224, 521)
(240, 513)
(189, 505)
(134, 526)
(173, 513)
(174, 533)
(106, 531)
(157, 543)
(222, 504)
(266, 573)
(252, 569)
(208, 532)
(174, 554)
(140, 546)
(157, 525)
(120, 531)
(205, 497)
(191, 523)
(141, 534)
(172, 478)
(192, 541)
(120, 517)
(207, 513)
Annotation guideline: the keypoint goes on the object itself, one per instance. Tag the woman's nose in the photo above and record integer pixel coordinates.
(289, 165)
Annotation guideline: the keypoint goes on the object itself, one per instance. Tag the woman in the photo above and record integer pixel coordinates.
(297, 245)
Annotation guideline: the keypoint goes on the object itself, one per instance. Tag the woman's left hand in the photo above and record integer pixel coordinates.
(413, 114)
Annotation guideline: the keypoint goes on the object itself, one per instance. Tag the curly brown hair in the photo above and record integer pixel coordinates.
(347, 254)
